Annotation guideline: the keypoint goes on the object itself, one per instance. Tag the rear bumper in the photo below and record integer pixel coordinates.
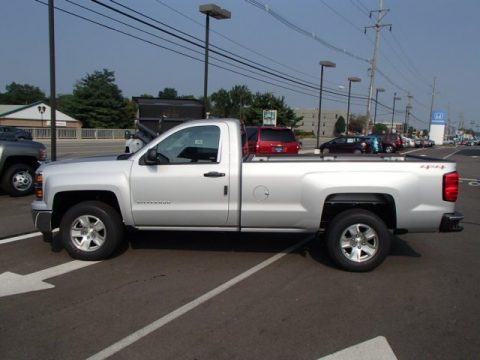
(451, 222)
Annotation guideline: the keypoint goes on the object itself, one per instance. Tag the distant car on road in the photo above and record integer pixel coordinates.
(14, 133)
(347, 144)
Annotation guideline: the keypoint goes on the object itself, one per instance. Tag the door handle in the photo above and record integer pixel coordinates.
(214, 174)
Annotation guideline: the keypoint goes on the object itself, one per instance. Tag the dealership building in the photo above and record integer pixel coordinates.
(36, 115)
(327, 123)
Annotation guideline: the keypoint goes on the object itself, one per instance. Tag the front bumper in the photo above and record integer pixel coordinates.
(451, 222)
(42, 220)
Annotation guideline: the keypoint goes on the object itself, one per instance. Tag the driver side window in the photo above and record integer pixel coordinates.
(198, 144)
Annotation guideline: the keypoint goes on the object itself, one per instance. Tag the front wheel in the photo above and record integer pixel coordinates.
(358, 240)
(91, 230)
(18, 180)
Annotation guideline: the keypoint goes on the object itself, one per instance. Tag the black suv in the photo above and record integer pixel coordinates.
(346, 144)
(14, 133)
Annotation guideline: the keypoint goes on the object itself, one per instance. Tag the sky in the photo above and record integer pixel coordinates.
(428, 39)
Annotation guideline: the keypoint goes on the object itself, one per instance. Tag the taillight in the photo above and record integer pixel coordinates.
(450, 186)
(39, 186)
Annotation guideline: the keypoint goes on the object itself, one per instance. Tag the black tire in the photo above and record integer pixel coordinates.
(91, 230)
(357, 240)
(19, 180)
(389, 149)
(326, 151)
(357, 151)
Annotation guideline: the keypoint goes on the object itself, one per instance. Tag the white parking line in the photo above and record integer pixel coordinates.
(20, 237)
(157, 324)
(374, 349)
(23, 237)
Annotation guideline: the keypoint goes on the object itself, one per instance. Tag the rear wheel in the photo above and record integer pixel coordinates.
(389, 149)
(91, 230)
(358, 240)
(357, 151)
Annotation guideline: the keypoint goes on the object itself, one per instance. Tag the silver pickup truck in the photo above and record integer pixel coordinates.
(197, 177)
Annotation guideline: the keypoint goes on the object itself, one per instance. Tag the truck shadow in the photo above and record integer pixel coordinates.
(245, 242)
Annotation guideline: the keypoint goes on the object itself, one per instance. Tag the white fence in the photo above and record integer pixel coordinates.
(66, 133)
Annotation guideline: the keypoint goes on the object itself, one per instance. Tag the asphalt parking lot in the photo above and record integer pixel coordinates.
(218, 296)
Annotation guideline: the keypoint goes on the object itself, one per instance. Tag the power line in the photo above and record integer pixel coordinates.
(173, 50)
(302, 31)
(361, 98)
(235, 42)
(161, 38)
(363, 10)
(270, 71)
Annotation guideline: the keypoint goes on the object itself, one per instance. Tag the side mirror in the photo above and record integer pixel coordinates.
(151, 157)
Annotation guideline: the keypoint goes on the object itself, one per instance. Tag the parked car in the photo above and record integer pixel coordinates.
(347, 144)
(14, 133)
(392, 142)
(271, 140)
(424, 143)
(408, 142)
(375, 142)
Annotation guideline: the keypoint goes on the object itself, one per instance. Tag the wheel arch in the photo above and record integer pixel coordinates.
(65, 200)
(13, 160)
(382, 205)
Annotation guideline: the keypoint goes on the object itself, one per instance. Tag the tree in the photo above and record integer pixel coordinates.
(267, 101)
(380, 128)
(18, 94)
(168, 93)
(221, 103)
(240, 97)
(65, 103)
(98, 102)
(340, 125)
(357, 124)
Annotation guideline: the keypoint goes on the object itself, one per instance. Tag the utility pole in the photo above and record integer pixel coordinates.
(431, 106)
(378, 27)
(53, 95)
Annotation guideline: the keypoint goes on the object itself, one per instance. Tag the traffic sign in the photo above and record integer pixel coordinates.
(270, 117)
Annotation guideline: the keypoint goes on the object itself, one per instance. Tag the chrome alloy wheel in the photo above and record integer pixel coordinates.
(359, 243)
(88, 233)
(22, 180)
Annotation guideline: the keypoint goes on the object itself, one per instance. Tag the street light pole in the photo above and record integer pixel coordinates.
(350, 80)
(395, 98)
(376, 103)
(218, 13)
(41, 110)
(322, 64)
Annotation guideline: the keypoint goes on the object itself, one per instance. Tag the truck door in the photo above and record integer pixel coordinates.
(189, 184)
